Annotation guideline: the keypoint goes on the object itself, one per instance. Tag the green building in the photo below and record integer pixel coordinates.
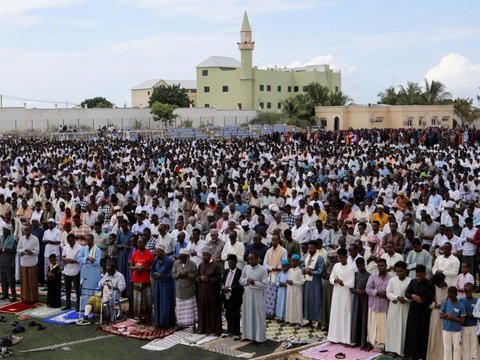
(226, 83)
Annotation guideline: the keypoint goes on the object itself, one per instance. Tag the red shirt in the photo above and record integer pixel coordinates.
(145, 260)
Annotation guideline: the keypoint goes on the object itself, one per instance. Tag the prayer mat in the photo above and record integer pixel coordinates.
(230, 352)
(280, 332)
(68, 317)
(185, 337)
(137, 331)
(42, 312)
(328, 350)
(267, 348)
(17, 307)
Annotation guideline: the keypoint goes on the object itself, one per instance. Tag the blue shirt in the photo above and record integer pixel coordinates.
(469, 306)
(457, 309)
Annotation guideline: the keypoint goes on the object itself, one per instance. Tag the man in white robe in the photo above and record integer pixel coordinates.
(342, 278)
(398, 310)
(301, 233)
(254, 279)
(447, 264)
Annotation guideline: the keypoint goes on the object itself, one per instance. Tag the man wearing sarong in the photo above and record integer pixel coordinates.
(28, 248)
(273, 263)
(184, 272)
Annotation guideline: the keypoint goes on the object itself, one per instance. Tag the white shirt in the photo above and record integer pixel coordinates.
(237, 249)
(52, 235)
(198, 247)
(32, 244)
(71, 253)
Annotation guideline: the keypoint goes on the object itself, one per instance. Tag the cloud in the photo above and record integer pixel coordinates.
(221, 12)
(459, 75)
(17, 12)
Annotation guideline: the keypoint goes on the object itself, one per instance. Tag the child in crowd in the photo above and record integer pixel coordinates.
(282, 290)
(469, 326)
(295, 281)
(54, 283)
(111, 252)
(453, 314)
(463, 278)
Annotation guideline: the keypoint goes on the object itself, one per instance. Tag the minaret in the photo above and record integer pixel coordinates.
(246, 46)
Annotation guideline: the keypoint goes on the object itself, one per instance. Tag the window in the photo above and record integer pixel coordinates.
(323, 122)
(336, 88)
(261, 105)
(206, 89)
(239, 106)
(204, 72)
(420, 120)
(279, 88)
(207, 105)
(279, 106)
(269, 87)
(148, 92)
(289, 89)
(262, 87)
(269, 105)
(225, 88)
(295, 89)
(434, 121)
(379, 119)
(409, 121)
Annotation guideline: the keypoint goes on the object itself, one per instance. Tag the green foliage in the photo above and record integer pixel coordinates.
(433, 93)
(187, 123)
(96, 102)
(319, 94)
(164, 113)
(338, 98)
(171, 95)
(465, 110)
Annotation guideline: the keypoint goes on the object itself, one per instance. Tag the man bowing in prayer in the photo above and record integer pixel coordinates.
(254, 278)
(342, 278)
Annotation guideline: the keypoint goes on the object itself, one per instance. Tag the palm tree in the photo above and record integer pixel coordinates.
(434, 93)
(290, 108)
(389, 96)
(338, 98)
(318, 93)
(465, 110)
(410, 95)
(305, 106)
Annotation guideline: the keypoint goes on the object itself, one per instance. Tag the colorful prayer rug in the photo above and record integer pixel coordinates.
(185, 337)
(280, 332)
(42, 312)
(17, 307)
(137, 331)
(328, 350)
(230, 352)
(68, 317)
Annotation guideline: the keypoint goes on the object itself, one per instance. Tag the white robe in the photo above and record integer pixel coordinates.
(449, 266)
(341, 310)
(396, 316)
(294, 310)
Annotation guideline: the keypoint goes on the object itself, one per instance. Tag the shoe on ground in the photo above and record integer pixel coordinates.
(82, 322)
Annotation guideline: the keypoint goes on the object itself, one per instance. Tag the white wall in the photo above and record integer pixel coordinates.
(21, 119)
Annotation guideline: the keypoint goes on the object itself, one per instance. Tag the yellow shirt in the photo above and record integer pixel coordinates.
(382, 219)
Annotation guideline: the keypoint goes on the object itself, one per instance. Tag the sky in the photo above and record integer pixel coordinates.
(64, 51)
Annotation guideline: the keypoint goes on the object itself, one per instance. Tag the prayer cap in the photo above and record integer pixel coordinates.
(296, 257)
(184, 252)
(208, 250)
(285, 262)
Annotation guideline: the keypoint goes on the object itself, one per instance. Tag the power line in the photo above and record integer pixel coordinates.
(17, 98)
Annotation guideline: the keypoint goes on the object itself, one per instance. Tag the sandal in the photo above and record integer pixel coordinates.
(41, 327)
(2, 319)
(18, 329)
(340, 355)
(33, 323)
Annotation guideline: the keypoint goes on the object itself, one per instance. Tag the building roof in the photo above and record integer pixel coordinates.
(220, 61)
(245, 23)
(149, 84)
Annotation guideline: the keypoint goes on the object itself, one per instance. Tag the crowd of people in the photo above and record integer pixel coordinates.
(370, 235)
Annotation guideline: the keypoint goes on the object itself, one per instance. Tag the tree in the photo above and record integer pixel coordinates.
(389, 96)
(410, 95)
(164, 113)
(290, 108)
(96, 102)
(434, 93)
(170, 94)
(319, 94)
(465, 110)
(338, 98)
